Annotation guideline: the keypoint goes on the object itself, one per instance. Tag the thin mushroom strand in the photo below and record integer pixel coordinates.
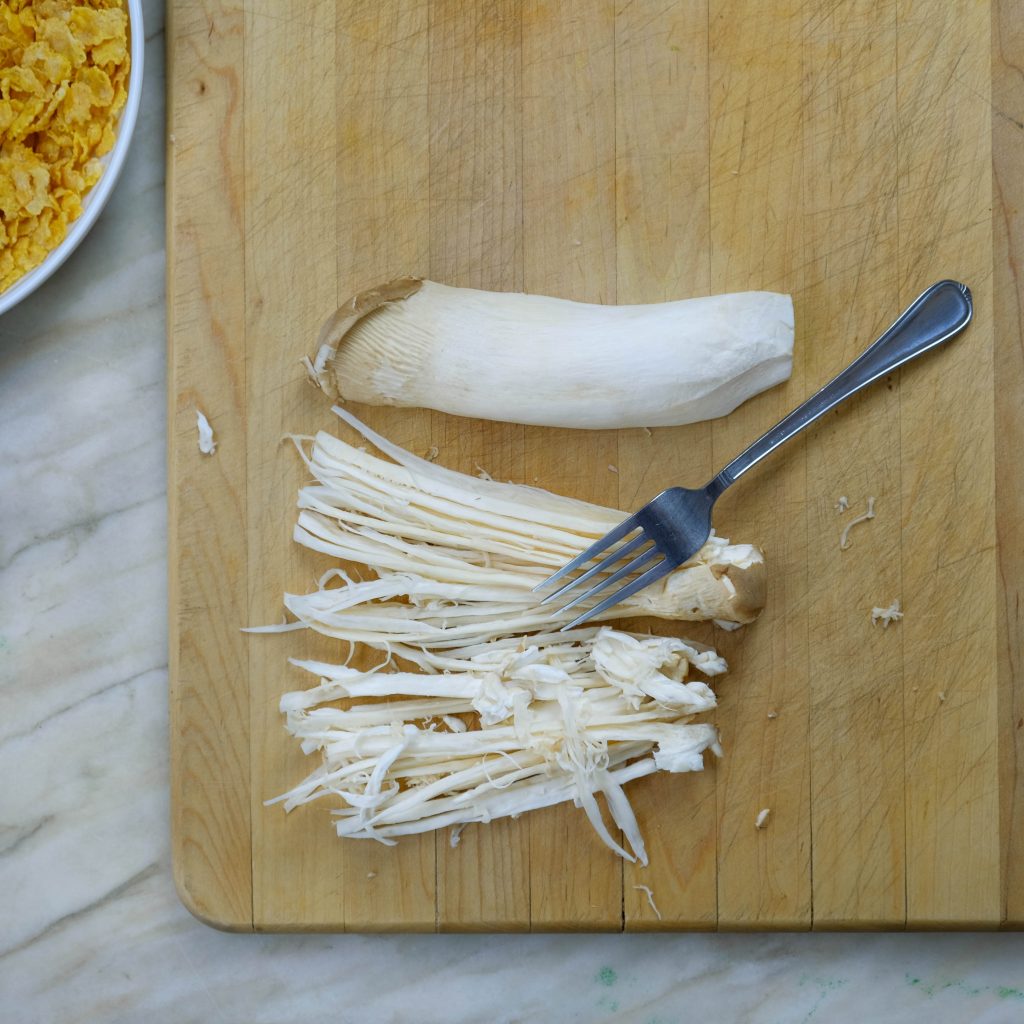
(456, 558)
(536, 738)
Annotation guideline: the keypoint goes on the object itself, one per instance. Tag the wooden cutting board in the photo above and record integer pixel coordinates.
(619, 152)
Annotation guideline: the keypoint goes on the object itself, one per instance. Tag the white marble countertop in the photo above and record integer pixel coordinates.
(90, 926)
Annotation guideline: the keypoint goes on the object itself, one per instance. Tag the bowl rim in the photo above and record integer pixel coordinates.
(96, 198)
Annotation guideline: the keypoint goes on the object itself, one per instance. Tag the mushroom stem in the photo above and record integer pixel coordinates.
(551, 362)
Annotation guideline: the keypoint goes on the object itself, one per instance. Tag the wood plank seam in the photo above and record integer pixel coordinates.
(521, 172)
(710, 270)
(899, 421)
(1008, 203)
(245, 391)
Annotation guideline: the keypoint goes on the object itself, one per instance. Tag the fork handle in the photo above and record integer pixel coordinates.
(936, 315)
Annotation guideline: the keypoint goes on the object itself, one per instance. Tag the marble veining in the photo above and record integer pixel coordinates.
(90, 927)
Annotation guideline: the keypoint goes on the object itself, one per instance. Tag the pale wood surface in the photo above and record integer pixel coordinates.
(208, 556)
(947, 480)
(759, 240)
(1008, 224)
(620, 152)
(857, 757)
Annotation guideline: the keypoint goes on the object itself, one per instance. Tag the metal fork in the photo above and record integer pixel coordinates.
(674, 526)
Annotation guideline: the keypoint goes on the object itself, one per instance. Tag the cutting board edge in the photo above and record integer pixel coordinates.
(199, 885)
(182, 856)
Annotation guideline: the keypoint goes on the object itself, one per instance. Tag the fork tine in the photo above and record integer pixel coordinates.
(625, 527)
(655, 573)
(605, 563)
(628, 568)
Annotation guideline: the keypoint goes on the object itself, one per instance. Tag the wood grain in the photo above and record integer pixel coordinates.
(208, 570)
(1008, 290)
(947, 479)
(850, 289)
(758, 241)
(621, 152)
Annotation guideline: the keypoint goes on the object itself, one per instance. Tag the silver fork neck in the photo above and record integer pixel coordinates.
(713, 488)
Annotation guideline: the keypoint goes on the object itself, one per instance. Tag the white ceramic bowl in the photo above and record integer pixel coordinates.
(98, 195)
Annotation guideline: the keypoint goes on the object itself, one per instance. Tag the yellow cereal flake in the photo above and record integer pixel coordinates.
(63, 82)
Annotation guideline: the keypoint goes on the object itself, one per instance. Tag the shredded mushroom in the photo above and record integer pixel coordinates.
(207, 445)
(844, 537)
(456, 558)
(494, 722)
(571, 716)
(886, 615)
(646, 890)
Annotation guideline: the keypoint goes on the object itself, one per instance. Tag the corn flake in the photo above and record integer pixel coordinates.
(63, 83)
